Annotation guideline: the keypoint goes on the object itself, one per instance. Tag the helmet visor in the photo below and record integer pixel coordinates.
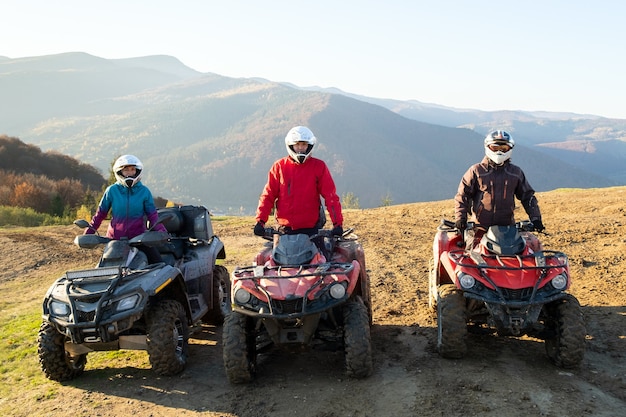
(499, 147)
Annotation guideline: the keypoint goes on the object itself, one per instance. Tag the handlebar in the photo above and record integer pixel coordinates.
(523, 226)
(270, 232)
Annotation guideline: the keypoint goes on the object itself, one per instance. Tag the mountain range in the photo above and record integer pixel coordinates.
(210, 139)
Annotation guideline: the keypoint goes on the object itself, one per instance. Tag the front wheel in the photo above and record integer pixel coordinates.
(567, 348)
(357, 340)
(239, 351)
(168, 337)
(451, 322)
(56, 363)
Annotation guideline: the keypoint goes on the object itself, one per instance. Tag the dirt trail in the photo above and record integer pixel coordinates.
(499, 376)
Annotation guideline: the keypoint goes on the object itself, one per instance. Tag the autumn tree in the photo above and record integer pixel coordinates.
(27, 195)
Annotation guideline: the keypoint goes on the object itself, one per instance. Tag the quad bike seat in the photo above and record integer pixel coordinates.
(187, 221)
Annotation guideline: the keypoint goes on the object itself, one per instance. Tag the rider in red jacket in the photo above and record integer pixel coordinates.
(294, 186)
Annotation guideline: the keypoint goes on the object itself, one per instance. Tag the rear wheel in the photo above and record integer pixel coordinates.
(567, 348)
(357, 340)
(56, 363)
(239, 349)
(221, 297)
(168, 337)
(451, 322)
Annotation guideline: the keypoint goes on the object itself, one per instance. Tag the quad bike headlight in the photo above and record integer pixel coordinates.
(559, 282)
(467, 281)
(242, 296)
(128, 302)
(337, 291)
(59, 309)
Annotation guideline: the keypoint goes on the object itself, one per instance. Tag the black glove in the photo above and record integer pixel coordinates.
(538, 224)
(460, 225)
(337, 231)
(259, 229)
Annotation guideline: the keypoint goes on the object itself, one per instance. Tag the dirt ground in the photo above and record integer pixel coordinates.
(498, 377)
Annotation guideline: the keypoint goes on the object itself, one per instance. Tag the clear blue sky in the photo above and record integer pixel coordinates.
(554, 55)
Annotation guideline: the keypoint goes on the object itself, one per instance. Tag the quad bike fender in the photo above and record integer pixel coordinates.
(446, 269)
(217, 247)
(205, 253)
(353, 251)
(354, 279)
(199, 264)
(167, 283)
(444, 242)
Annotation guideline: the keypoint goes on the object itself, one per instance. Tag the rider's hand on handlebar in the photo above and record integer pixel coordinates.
(538, 225)
(337, 231)
(460, 225)
(259, 229)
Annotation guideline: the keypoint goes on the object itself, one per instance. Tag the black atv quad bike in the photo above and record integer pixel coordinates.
(125, 303)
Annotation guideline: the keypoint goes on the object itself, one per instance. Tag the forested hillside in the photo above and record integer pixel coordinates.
(47, 182)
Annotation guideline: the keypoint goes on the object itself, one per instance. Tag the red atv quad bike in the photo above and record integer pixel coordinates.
(292, 297)
(506, 284)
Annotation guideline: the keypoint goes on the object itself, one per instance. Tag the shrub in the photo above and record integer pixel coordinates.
(27, 217)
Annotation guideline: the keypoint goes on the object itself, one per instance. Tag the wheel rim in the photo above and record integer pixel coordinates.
(224, 306)
(179, 338)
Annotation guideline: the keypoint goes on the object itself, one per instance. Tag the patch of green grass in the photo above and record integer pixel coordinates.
(118, 359)
(233, 220)
(18, 216)
(19, 365)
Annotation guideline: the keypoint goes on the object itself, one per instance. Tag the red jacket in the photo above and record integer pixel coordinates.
(295, 190)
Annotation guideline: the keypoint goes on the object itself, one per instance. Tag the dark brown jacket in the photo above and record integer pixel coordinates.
(488, 191)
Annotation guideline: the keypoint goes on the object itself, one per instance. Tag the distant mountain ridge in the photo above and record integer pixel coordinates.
(595, 143)
(210, 139)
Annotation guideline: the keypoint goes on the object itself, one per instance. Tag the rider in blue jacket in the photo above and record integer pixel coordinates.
(130, 203)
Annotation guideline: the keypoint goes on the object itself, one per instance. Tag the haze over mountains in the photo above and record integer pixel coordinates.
(210, 139)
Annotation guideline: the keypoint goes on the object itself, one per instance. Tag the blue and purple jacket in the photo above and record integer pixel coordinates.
(129, 207)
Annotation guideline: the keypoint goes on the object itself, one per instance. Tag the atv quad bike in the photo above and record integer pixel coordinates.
(292, 297)
(125, 303)
(506, 284)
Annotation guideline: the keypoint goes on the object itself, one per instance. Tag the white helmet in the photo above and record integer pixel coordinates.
(499, 146)
(125, 161)
(300, 134)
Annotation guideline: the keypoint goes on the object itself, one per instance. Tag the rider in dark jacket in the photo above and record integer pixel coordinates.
(488, 189)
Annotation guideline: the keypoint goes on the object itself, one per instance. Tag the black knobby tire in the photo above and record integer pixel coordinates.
(221, 297)
(167, 337)
(567, 348)
(239, 348)
(357, 340)
(451, 322)
(55, 362)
